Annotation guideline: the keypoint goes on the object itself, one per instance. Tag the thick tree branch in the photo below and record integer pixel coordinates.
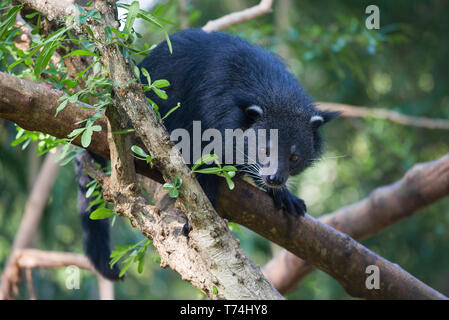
(232, 272)
(422, 185)
(304, 237)
(228, 20)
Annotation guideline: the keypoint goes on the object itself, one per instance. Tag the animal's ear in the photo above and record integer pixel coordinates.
(330, 115)
(253, 111)
(323, 117)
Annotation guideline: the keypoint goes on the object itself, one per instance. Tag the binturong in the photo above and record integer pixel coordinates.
(225, 84)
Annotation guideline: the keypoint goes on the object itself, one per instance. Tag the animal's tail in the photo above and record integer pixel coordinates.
(95, 232)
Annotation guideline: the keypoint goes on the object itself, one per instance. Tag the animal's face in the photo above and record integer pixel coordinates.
(292, 148)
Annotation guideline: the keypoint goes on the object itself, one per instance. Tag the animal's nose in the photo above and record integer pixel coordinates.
(276, 179)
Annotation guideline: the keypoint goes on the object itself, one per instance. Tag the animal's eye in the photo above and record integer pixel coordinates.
(254, 111)
(294, 158)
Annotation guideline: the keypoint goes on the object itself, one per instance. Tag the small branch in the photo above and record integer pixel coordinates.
(29, 259)
(364, 112)
(33, 213)
(226, 21)
(29, 276)
(183, 14)
(422, 185)
(28, 227)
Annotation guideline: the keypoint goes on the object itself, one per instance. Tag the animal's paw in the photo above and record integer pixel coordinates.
(290, 203)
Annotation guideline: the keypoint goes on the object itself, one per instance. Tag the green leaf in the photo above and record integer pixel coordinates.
(170, 48)
(12, 65)
(19, 141)
(128, 262)
(9, 20)
(61, 107)
(75, 132)
(108, 33)
(177, 182)
(81, 19)
(96, 128)
(213, 170)
(146, 75)
(44, 57)
(133, 10)
(74, 98)
(86, 138)
(214, 290)
(95, 202)
(174, 193)
(139, 151)
(161, 83)
(161, 93)
(204, 159)
(149, 18)
(229, 169)
(31, 15)
(90, 190)
(235, 227)
(101, 213)
(124, 131)
(168, 186)
(231, 184)
(81, 52)
(69, 83)
(172, 110)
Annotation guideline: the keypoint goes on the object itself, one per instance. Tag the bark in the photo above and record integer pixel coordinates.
(226, 21)
(422, 185)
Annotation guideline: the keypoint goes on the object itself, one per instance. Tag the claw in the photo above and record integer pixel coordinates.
(290, 203)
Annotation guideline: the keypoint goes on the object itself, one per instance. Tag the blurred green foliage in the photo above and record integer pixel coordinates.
(404, 66)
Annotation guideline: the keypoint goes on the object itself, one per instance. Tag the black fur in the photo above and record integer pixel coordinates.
(216, 77)
(95, 232)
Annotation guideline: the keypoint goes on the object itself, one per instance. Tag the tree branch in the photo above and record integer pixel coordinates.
(29, 259)
(30, 221)
(28, 227)
(422, 185)
(364, 112)
(228, 20)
